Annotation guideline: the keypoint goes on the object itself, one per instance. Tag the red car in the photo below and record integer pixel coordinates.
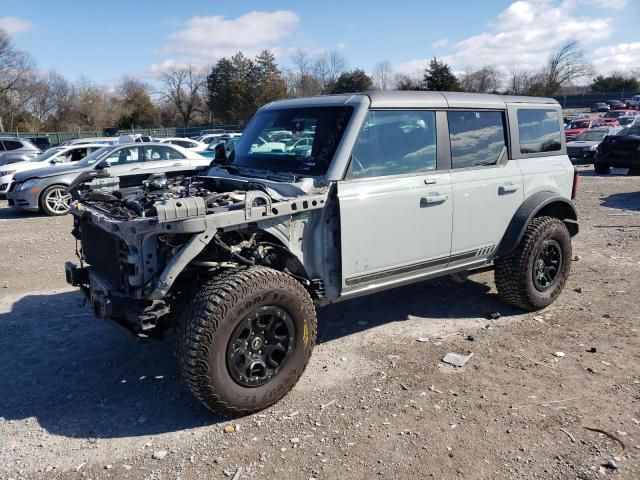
(579, 126)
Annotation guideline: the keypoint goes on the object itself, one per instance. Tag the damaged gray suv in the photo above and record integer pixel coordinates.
(391, 188)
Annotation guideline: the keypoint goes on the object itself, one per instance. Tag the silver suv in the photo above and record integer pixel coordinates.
(13, 150)
(395, 188)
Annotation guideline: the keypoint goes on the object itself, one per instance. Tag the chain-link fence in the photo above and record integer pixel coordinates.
(586, 100)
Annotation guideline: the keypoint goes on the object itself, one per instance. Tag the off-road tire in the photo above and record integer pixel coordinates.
(221, 303)
(514, 271)
(601, 168)
(44, 205)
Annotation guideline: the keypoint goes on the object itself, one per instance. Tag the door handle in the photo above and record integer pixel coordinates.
(430, 180)
(179, 164)
(433, 200)
(508, 188)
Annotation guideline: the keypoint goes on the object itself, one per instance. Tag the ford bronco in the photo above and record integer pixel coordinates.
(392, 188)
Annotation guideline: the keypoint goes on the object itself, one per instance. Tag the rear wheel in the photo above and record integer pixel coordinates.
(245, 339)
(55, 200)
(533, 275)
(601, 168)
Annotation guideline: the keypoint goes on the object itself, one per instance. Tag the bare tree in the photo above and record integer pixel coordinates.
(383, 75)
(403, 81)
(183, 88)
(15, 67)
(564, 67)
(519, 81)
(50, 96)
(483, 80)
(314, 75)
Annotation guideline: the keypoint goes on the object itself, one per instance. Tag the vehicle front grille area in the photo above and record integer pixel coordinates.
(573, 152)
(103, 252)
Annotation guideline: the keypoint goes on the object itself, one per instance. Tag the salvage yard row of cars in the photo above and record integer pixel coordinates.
(585, 133)
(38, 181)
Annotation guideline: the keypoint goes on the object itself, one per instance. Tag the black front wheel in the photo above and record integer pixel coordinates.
(245, 339)
(533, 275)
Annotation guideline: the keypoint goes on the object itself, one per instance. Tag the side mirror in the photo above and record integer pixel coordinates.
(103, 164)
(220, 155)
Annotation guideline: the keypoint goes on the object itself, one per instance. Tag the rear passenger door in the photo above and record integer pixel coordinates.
(395, 205)
(487, 185)
(540, 149)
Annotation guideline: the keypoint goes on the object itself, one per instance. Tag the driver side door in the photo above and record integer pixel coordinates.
(396, 207)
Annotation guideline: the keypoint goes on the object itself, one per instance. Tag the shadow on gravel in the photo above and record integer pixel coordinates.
(436, 299)
(11, 213)
(82, 377)
(623, 201)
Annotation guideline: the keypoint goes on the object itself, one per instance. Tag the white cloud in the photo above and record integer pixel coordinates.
(622, 58)
(440, 43)
(524, 33)
(203, 40)
(15, 25)
(606, 4)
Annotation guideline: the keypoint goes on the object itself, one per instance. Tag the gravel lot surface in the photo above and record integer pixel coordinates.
(79, 399)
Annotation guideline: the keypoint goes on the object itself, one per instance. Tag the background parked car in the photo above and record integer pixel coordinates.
(185, 143)
(626, 120)
(619, 151)
(81, 141)
(52, 157)
(578, 126)
(13, 150)
(43, 142)
(616, 104)
(46, 188)
(582, 149)
(600, 107)
(633, 102)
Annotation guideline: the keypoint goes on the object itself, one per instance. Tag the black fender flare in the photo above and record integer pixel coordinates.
(538, 204)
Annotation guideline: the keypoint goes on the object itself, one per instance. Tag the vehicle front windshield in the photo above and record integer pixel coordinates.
(301, 141)
(591, 136)
(635, 130)
(95, 156)
(48, 154)
(578, 125)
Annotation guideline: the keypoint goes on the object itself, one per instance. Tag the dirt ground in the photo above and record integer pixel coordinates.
(78, 399)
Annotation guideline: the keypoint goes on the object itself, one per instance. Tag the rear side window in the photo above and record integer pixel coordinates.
(157, 152)
(124, 156)
(539, 130)
(11, 145)
(477, 138)
(395, 142)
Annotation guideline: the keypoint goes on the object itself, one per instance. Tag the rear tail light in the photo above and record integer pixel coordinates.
(574, 189)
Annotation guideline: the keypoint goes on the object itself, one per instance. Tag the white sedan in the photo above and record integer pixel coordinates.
(52, 157)
(187, 143)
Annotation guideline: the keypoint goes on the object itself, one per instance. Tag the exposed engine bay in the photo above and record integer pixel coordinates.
(141, 201)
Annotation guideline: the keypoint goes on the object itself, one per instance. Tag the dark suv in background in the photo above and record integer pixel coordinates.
(619, 151)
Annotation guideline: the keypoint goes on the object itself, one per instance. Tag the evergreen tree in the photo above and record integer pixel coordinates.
(351, 82)
(438, 77)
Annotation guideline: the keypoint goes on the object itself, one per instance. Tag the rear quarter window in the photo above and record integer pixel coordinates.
(539, 130)
(11, 145)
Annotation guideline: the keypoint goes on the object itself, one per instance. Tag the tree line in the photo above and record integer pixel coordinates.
(231, 90)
